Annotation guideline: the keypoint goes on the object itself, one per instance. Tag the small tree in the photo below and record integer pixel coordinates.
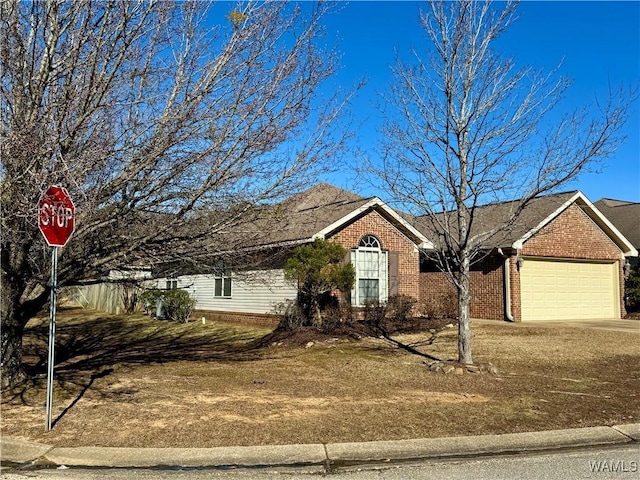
(467, 127)
(318, 268)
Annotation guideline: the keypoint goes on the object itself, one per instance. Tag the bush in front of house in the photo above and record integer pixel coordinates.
(177, 304)
(400, 308)
(149, 300)
(374, 312)
(291, 315)
(319, 269)
(442, 306)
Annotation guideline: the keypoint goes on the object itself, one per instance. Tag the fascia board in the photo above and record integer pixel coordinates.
(375, 201)
(599, 217)
(593, 212)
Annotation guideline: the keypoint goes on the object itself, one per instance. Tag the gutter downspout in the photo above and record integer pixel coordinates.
(507, 287)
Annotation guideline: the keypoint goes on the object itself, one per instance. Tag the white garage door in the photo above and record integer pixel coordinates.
(563, 290)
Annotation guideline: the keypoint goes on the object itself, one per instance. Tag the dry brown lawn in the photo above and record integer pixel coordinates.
(134, 381)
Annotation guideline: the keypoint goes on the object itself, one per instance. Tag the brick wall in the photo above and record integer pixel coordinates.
(391, 239)
(487, 293)
(437, 293)
(514, 281)
(571, 235)
(258, 319)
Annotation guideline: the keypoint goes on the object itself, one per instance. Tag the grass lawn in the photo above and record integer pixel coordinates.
(134, 381)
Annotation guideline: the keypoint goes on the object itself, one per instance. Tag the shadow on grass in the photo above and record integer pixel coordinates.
(411, 348)
(302, 336)
(89, 347)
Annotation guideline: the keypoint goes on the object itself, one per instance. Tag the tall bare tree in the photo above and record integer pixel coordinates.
(468, 127)
(149, 112)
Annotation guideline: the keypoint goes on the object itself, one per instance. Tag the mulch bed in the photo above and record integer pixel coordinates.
(353, 331)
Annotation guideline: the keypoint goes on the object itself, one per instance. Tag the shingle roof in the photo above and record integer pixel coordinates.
(310, 211)
(493, 216)
(625, 216)
(321, 211)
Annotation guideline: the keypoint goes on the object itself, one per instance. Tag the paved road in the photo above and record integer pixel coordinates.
(602, 463)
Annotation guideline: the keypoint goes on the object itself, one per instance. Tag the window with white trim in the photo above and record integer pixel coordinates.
(222, 286)
(370, 263)
(222, 282)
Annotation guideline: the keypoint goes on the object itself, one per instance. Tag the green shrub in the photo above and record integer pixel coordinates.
(178, 305)
(319, 270)
(149, 299)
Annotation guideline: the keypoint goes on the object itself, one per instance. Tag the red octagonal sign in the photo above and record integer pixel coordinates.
(56, 216)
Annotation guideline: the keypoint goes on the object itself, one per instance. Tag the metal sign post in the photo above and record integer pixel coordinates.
(56, 221)
(52, 332)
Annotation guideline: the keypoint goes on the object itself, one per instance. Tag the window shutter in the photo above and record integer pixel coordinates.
(393, 274)
(347, 259)
(353, 260)
(345, 296)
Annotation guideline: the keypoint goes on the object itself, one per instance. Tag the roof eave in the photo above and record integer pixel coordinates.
(420, 240)
(618, 238)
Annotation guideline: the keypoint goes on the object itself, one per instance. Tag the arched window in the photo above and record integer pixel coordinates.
(370, 241)
(370, 263)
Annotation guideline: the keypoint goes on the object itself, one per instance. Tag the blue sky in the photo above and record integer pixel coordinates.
(598, 44)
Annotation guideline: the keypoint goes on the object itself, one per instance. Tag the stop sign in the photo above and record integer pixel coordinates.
(56, 216)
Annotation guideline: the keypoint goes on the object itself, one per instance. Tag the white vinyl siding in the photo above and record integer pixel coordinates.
(251, 292)
(565, 290)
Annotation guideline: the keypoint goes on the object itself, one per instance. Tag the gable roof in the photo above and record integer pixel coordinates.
(321, 211)
(537, 214)
(592, 212)
(624, 215)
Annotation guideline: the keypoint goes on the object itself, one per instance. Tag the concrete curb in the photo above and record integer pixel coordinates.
(258, 456)
(20, 450)
(314, 457)
(474, 445)
(631, 430)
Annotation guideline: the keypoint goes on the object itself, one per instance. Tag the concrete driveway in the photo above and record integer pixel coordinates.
(613, 324)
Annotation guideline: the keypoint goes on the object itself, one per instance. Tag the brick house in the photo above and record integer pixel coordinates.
(563, 259)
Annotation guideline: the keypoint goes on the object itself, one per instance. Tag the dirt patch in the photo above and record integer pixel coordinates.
(132, 381)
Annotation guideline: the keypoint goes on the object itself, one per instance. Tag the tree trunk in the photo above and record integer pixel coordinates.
(316, 313)
(464, 298)
(11, 331)
(15, 312)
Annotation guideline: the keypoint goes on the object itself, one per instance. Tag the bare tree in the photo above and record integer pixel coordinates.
(149, 113)
(468, 128)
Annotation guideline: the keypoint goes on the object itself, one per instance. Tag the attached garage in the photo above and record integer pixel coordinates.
(560, 260)
(562, 289)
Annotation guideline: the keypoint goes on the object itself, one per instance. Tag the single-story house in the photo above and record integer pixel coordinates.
(563, 259)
